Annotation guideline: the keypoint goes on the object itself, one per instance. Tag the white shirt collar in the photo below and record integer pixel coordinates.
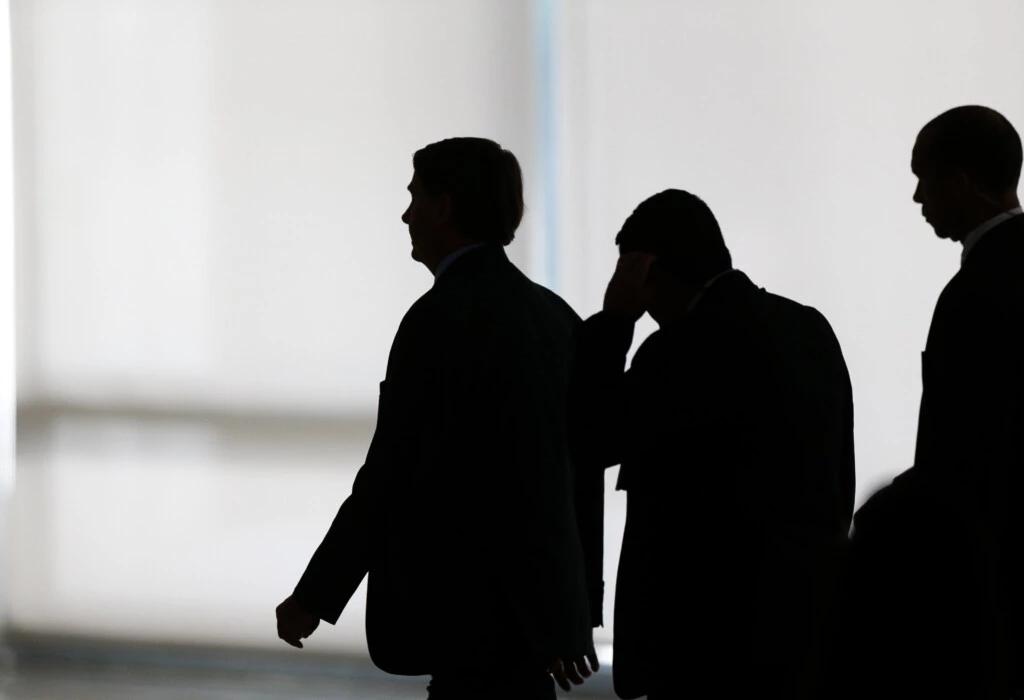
(974, 236)
(450, 258)
(707, 285)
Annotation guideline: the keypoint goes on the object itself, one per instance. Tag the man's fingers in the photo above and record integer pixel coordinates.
(633, 269)
(635, 258)
(294, 632)
(291, 637)
(557, 670)
(581, 668)
(643, 268)
(592, 658)
(636, 264)
(572, 674)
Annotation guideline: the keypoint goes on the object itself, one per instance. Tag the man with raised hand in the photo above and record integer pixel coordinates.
(734, 430)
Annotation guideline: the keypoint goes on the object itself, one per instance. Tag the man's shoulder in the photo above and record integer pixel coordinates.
(559, 305)
(429, 313)
(994, 263)
(490, 296)
(427, 305)
(797, 312)
(988, 282)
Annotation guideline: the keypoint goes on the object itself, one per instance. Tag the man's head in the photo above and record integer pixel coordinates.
(464, 190)
(680, 231)
(968, 163)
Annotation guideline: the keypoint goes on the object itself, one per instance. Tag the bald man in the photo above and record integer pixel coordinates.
(936, 553)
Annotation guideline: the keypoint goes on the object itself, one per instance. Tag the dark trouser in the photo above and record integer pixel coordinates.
(494, 685)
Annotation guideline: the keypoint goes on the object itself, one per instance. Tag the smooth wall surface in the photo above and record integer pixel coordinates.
(209, 203)
(211, 264)
(211, 190)
(795, 121)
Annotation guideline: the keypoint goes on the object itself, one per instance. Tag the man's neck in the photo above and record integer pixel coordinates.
(453, 244)
(985, 214)
(674, 308)
(448, 259)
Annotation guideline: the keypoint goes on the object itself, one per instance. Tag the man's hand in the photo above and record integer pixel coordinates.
(293, 622)
(628, 292)
(573, 671)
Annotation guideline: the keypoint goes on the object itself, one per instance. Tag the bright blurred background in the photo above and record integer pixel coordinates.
(202, 209)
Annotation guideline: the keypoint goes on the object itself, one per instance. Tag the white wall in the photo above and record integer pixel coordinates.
(211, 263)
(794, 120)
(209, 204)
(218, 186)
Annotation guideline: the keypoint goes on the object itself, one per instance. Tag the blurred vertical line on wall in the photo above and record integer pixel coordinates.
(7, 340)
(544, 23)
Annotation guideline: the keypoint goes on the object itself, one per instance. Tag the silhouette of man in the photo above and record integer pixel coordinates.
(934, 554)
(734, 430)
(477, 534)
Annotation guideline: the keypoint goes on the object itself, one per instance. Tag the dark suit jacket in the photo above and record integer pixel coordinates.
(947, 533)
(734, 429)
(971, 427)
(467, 514)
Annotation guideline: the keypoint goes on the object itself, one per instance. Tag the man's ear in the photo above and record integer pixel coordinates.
(444, 209)
(963, 182)
(966, 184)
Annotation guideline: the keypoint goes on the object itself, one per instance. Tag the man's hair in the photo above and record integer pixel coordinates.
(679, 229)
(978, 140)
(484, 182)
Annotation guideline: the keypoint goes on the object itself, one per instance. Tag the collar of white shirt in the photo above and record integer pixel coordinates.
(700, 294)
(451, 257)
(974, 236)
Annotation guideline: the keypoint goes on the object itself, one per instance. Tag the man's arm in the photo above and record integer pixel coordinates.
(588, 489)
(969, 426)
(597, 391)
(344, 556)
(339, 563)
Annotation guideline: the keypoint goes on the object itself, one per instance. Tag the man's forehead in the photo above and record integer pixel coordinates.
(920, 152)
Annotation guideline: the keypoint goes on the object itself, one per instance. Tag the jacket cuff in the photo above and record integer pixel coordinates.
(612, 331)
(312, 600)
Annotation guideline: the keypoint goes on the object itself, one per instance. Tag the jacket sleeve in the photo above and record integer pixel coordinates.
(596, 420)
(589, 502)
(343, 557)
(588, 494)
(968, 427)
(345, 554)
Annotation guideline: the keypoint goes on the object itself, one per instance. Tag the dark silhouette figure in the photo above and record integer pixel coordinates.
(477, 534)
(935, 554)
(734, 430)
